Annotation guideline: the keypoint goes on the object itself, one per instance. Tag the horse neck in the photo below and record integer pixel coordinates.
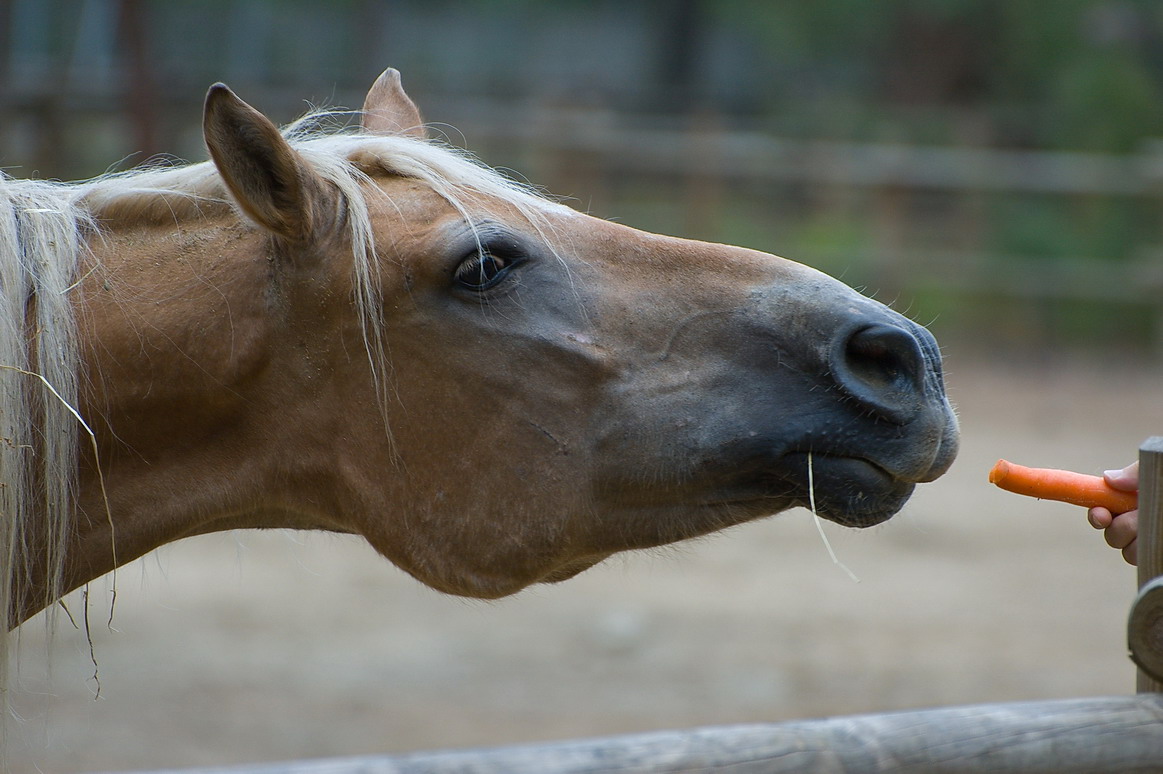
(176, 334)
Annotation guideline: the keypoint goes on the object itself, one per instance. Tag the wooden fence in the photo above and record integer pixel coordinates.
(1105, 735)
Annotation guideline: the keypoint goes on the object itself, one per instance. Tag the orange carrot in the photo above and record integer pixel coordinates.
(1062, 485)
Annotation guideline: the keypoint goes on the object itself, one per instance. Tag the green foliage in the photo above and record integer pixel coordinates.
(1076, 74)
(1056, 227)
(1104, 101)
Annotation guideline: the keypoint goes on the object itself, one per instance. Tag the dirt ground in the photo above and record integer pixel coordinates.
(264, 647)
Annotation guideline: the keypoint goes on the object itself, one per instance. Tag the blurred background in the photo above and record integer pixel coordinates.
(993, 169)
(988, 165)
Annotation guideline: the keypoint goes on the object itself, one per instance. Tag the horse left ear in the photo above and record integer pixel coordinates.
(388, 110)
(269, 180)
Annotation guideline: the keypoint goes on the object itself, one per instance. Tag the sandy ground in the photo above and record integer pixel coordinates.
(250, 647)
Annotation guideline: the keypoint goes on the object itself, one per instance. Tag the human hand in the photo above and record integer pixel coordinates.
(1120, 530)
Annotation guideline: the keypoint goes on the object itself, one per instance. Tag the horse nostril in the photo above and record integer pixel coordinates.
(881, 366)
(884, 357)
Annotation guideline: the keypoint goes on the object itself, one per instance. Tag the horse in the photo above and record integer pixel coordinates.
(364, 330)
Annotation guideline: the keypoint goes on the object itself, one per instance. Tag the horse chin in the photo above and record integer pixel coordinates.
(567, 571)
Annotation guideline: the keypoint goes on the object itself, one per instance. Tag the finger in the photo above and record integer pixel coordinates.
(1123, 530)
(1131, 553)
(1099, 517)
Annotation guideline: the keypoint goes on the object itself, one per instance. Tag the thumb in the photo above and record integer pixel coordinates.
(1126, 479)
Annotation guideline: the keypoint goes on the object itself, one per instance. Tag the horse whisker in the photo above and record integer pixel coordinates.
(819, 525)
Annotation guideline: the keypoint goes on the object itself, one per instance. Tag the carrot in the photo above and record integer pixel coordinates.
(1062, 485)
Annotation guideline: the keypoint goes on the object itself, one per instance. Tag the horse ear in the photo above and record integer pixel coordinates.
(388, 110)
(269, 180)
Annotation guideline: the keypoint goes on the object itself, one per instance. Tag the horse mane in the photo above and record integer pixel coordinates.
(45, 227)
(163, 191)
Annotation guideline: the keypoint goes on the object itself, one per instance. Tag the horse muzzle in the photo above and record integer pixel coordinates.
(807, 392)
(892, 426)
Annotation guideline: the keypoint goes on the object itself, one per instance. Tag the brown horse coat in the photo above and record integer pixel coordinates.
(368, 333)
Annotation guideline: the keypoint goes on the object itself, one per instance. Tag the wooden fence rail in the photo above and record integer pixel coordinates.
(1109, 735)
(676, 146)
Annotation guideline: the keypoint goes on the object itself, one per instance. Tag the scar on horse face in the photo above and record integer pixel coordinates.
(366, 331)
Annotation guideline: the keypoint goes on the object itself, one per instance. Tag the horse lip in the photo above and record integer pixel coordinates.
(907, 468)
(813, 457)
(850, 490)
(946, 451)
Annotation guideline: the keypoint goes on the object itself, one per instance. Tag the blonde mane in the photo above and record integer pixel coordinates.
(44, 231)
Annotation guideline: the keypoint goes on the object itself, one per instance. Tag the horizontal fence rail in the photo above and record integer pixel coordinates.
(667, 147)
(1106, 735)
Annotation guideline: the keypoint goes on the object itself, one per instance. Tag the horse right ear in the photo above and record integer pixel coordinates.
(269, 180)
(388, 110)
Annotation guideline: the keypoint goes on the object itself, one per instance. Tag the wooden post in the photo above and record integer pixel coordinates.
(141, 96)
(1145, 630)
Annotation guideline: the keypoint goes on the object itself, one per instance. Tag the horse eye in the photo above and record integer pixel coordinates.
(482, 270)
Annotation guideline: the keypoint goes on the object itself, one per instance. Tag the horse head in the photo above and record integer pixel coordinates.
(371, 333)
